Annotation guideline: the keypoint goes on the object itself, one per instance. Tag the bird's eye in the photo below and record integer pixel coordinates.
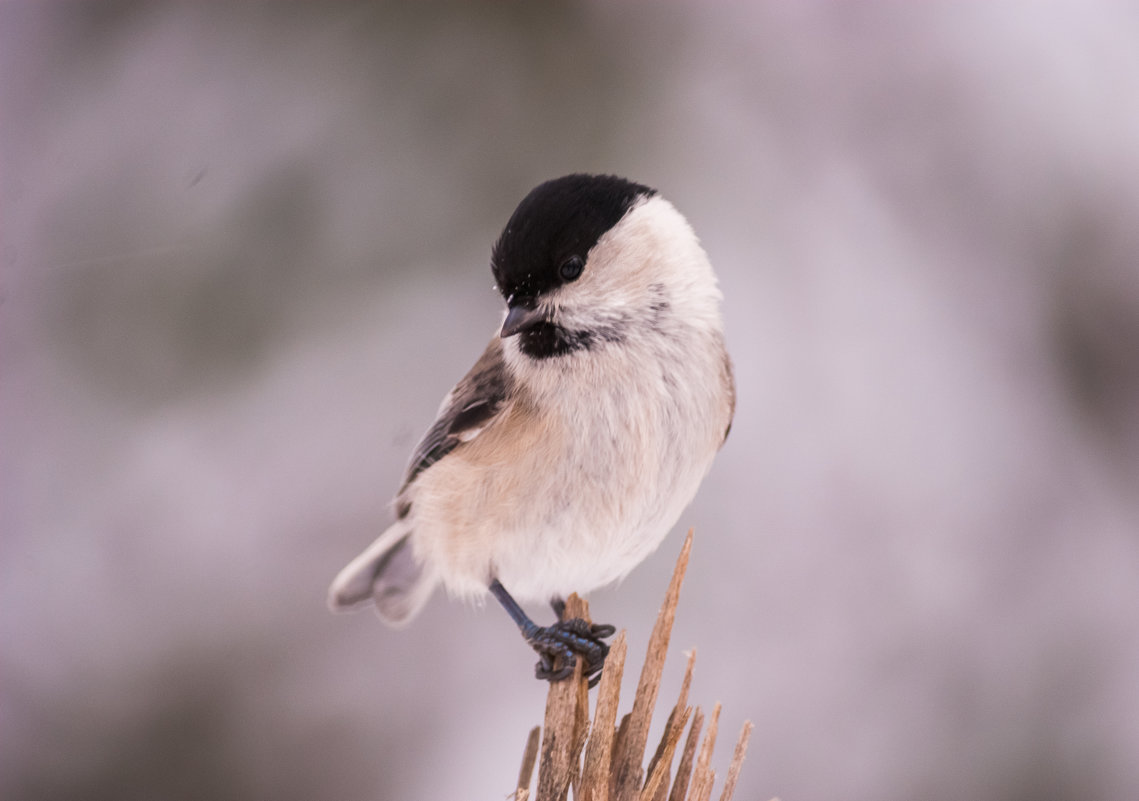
(571, 268)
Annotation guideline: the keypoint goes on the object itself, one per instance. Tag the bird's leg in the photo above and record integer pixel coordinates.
(559, 645)
(558, 604)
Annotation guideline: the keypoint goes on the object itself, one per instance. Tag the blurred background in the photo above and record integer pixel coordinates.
(244, 252)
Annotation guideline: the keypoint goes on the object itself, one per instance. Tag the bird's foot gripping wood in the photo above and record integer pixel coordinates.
(560, 645)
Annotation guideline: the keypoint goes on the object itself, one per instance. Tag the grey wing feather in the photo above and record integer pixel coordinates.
(387, 571)
(477, 399)
(729, 384)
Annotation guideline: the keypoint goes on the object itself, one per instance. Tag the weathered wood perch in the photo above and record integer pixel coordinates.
(605, 762)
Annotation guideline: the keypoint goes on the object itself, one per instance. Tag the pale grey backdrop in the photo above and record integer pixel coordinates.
(244, 253)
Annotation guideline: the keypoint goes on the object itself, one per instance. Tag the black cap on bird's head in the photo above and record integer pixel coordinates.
(548, 238)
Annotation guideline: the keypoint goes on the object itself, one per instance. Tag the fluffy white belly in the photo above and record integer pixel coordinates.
(565, 503)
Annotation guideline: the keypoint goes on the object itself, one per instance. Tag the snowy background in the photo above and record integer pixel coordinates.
(244, 252)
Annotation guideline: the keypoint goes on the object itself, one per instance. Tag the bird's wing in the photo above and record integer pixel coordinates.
(730, 385)
(471, 406)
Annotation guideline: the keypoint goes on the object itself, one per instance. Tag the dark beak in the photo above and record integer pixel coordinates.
(519, 318)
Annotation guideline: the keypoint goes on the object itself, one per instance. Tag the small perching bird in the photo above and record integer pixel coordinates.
(563, 458)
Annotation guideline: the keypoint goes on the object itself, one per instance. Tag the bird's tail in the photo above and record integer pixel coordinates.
(387, 573)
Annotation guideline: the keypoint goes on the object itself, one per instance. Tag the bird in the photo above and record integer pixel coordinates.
(569, 450)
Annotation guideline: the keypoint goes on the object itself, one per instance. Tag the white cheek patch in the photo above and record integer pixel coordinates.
(623, 288)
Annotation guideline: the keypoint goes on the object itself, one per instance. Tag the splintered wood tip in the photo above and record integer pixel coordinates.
(605, 761)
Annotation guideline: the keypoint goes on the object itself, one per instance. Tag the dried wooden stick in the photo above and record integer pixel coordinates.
(661, 762)
(580, 726)
(737, 762)
(566, 717)
(605, 764)
(618, 748)
(681, 705)
(595, 774)
(706, 787)
(627, 768)
(703, 778)
(658, 774)
(529, 757)
(684, 769)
